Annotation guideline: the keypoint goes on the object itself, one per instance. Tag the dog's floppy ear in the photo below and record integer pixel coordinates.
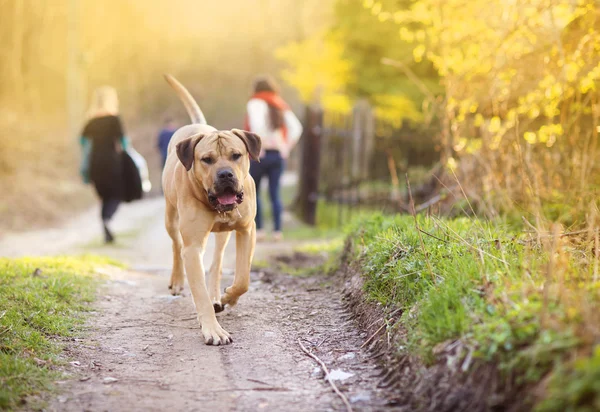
(251, 140)
(185, 150)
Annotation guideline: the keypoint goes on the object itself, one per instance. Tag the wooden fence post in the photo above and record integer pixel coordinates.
(311, 160)
(363, 131)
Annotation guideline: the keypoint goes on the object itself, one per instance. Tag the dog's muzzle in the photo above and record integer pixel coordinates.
(225, 196)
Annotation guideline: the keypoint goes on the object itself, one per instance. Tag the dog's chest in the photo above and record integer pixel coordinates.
(226, 221)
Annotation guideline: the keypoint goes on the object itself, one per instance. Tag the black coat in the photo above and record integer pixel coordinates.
(113, 172)
(106, 162)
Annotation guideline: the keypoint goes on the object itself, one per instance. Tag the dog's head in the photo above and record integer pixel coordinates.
(221, 162)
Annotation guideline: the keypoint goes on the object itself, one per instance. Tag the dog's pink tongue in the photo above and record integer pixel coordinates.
(227, 199)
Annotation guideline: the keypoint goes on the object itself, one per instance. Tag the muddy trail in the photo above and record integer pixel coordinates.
(143, 349)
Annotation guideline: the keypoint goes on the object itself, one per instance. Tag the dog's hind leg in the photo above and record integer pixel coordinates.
(172, 225)
(244, 245)
(216, 270)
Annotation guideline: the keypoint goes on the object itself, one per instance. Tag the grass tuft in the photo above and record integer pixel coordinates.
(42, 300)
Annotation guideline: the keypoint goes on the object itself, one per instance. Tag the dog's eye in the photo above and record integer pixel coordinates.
(207, 160)
(236, 156)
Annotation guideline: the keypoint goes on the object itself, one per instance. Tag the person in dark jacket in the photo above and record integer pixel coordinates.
(164, 137)
(102, 141)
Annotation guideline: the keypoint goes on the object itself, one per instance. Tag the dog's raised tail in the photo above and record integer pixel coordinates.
(188, 101)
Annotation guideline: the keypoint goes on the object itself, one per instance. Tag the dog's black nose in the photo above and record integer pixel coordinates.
(225, 174)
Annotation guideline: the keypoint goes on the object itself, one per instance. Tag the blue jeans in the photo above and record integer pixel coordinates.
(271, 166)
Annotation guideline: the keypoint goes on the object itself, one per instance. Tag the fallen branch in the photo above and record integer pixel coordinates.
(390, 316)
(547, 234)
(326, 371)
(148, 325)
(373, 335)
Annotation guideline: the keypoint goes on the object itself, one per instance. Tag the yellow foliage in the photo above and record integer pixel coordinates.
(530, 137)
(419, 52)
(394, 109)
(339, 103)
(495, 124)
(317, 69)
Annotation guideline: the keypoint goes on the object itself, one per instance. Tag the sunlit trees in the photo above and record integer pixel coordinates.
(345, 64)
(56, 52)
(521, 93)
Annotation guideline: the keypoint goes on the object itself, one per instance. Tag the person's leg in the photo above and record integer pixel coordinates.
(256, 171)
(275, 171)
(109, 207)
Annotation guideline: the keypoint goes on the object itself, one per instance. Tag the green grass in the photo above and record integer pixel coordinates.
(489, 288)
(326, 228)
(37, 310)
(331, 217)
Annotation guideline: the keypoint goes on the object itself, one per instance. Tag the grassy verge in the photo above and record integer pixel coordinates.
(331, 217)
(529, 306)
(41, 301)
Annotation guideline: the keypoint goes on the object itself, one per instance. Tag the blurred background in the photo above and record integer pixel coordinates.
(54, 53)
(481, 115)
(499, 95)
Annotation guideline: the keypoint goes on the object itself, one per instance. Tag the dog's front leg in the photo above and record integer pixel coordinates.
(192, 253)
(216, 269)
(244, 245)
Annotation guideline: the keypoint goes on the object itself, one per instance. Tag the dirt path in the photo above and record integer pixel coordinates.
(144, 349)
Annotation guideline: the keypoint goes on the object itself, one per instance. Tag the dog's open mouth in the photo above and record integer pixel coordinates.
(226, 200)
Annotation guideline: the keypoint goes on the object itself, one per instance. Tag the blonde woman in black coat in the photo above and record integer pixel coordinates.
(102, 141)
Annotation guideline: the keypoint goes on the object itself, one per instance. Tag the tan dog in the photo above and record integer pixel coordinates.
(208, 188)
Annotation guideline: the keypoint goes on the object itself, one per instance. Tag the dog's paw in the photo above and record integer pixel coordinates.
(228, 299)
(175, 288)
(219, 307)
(216, 335)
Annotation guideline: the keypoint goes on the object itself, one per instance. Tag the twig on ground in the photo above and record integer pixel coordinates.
(322, 342)
(433, 236)
(573, 233)
(382, 319)
(148, 325)
(390, 317)
(373, 335)
(333, 385)
(257, 381)
(375, 321)
(414, 214)
(376, 356)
